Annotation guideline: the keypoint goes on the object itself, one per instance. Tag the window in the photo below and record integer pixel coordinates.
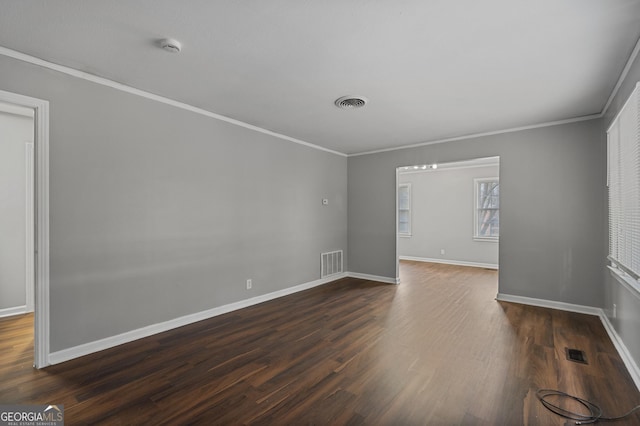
(404, 209)
(487, 209)
(623, 181)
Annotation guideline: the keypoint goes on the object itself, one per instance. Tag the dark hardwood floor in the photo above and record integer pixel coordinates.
(435, 350)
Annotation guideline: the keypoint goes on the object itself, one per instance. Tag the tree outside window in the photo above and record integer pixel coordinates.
(487, 209)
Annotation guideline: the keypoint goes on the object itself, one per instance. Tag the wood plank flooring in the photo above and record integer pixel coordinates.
(435, 350)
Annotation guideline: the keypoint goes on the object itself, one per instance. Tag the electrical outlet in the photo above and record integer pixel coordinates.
(249, 284)
(615, 311)
(441, 251)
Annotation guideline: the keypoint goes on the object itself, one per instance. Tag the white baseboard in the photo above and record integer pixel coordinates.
(628, 360)
(544, 303)
(378, 278)
(17, 310)
(450, 262)
(625, 355)
(129, 336)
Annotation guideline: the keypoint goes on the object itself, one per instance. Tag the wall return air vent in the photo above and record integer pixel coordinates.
(331, 263)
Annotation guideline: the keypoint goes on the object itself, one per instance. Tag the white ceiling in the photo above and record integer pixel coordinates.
(432, 69)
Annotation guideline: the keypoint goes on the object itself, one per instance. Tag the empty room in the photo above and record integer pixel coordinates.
(329, 213)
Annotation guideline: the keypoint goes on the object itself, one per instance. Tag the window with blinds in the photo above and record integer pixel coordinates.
(623, 181)
(404, 209)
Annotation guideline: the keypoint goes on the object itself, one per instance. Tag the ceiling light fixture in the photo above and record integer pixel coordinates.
(434, 166)
(351, 102)
(171, 45)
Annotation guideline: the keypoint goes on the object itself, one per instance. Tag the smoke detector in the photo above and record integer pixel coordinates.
(171, 45)
(351, 102)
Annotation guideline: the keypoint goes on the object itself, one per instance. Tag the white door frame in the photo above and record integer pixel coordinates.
(41, 220)
(29, 273)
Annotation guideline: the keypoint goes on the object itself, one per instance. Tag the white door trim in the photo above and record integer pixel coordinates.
(41, 229)
(30, 227)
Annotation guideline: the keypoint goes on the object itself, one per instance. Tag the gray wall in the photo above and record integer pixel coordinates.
(15, 131)
(157, 212)
(551, 212)
(627, 322)
(442, 214)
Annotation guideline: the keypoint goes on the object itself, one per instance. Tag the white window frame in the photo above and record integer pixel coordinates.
(476, 208)
(408, 209)
(623, 176)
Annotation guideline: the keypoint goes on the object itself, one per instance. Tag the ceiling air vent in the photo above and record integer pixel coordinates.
(351, 102)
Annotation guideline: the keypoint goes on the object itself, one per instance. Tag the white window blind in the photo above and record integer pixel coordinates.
(404, 209)
(623, 180)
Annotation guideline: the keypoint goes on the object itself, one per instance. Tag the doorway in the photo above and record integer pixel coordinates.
(16, 210)
(448, 213)
(25, 214)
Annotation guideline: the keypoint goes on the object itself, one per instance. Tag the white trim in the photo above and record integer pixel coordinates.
(487, 239)
(444, 168)
(9, 312)
(150, 330)
(119, 86)
(623, 75)
(41, 188)
(551, 304)
(625, 355)
(627, 282)
(450, 262)
(629, 362)
(624, 106)
(132, 90)
(368, 277)
(601, 114)
(29, 225)
(478, 135)
(16, 110)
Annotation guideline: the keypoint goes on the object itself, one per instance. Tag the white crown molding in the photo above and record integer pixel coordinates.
(613, 94)
(479, 135)
(132, 90)
(451, 262)
(119, 86)
(623, 75)
(129, 336)
(9, 312)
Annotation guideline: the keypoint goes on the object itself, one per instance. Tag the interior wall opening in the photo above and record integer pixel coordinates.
(449, 213)
(24, 217)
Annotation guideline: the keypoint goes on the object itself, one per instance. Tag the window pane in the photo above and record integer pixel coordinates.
(403, 227)
(404, 209)
(488, 223)
(487, 209)
(403, 197)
